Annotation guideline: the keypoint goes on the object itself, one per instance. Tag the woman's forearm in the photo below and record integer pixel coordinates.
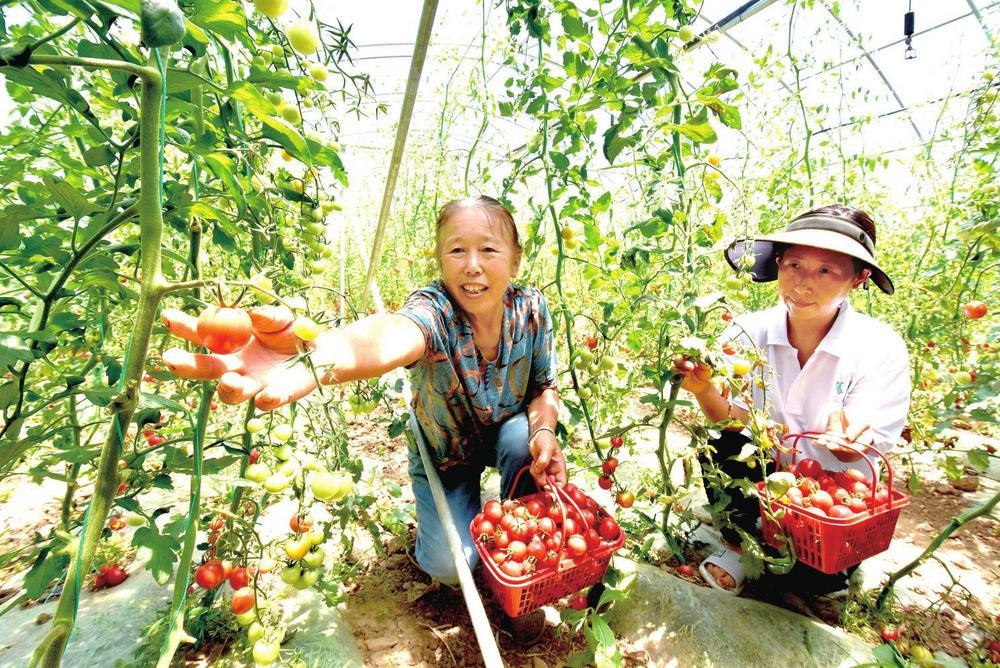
(368, 348)
(718, 408)
(543, 411)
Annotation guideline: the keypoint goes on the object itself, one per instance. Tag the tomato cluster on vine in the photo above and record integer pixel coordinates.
(536, 533)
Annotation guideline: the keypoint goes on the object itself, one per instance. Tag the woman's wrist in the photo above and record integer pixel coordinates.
(534, 433)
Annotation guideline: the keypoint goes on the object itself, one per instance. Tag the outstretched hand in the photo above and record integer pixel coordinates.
(697, 376)
(263, 369)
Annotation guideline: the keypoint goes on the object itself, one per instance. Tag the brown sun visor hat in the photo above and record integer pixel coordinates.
(817, 231)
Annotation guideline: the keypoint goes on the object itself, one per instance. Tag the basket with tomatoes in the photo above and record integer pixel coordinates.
(831, 519)
(543, 546)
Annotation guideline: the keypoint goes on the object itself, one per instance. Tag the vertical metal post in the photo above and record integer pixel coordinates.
(409, 99)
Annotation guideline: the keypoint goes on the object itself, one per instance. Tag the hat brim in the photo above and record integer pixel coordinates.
(766, 269)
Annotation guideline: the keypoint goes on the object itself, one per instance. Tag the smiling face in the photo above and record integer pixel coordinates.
(812, 282)
(478, 260)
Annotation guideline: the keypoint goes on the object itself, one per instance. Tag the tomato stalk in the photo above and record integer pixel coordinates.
(72, 470)
(49, 652)
(176, 634)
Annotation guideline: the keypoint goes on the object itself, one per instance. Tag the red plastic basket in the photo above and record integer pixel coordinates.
(829, 544)
(519, 596)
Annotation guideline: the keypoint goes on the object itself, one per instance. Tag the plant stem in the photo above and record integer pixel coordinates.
(49, 652)
(957, 522)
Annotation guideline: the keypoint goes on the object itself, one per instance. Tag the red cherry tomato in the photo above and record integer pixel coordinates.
(239, 578)
(604, 482)
(890, 633)
(617, 441)
(243, 600)
(841, 512)
(210, 574)
(114, 576)
(592, 342)
(685, 570)
(578, 602)
(608, 529)
(809, 468)
(493, 510)
(609, 465)
(224, 330)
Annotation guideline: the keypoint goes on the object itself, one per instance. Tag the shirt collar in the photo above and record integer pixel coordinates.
(833, 343)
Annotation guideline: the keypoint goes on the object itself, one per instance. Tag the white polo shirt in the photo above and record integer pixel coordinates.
(861, 367)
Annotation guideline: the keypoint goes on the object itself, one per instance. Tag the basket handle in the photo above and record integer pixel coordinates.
(559, 493)
(853, 447)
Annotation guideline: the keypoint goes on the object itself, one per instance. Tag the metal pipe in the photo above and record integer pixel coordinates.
(740, 14)
(412, 82)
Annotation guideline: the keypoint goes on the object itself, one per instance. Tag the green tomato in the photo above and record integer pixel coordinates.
(275, 483)
(318, 72)
(281, 432)
(289, 469)
(258, 62)
(685, 34)
(315, 537)
(265, 652)
(962, 377)
(586, 357)
(275, 98)
(316, 228)
(608, 363)
(291, 574)
(277, 52)
(247, 618)
(309, 578)
(302, 36)
(314, 558)
(291, 114)
(257, 472)
(733, 283)
(135, 520)
(328, 486)
(255, 632)
(585, 393)
(296, 548)
(255, 425)
(272, 8)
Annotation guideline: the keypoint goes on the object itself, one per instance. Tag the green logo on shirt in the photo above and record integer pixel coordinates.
(840, 387)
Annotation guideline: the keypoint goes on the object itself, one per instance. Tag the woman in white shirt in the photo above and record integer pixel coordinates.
(829, 367)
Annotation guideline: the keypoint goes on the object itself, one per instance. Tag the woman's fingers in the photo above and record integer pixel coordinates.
(284, 341)
(181, 324)
(287, 386)
(195, 365)
(235, 388)
(270, 319)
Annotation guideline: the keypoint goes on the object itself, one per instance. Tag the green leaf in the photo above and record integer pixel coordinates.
(69, 198)
(164, 551)
(13, 349)
(98, 156)
(573, 25)
(979, 459)
(224, 169)
(8, 394)
(223, 17)
(10, 221)
(47, 567)
(601, 632)
(697, 128)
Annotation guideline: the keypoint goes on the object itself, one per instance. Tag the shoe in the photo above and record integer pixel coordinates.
(731, 562)
(527, 630)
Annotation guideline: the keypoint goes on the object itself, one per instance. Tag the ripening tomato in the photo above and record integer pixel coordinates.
(685, 570)
(808, 468)
(609, 465)
(210, 574)
(512, 568)
(604, 482)
(536, 550)
(890, 633)
(517, 550)
(224, 330)
(625, 499)
(974, 310)
(807, 486)
(821, 500)
(114, 576)
(253, 457)
(493, 510)
(243, 600)
(576, 545)
(841, 512)
(617, 441)
(300, 524)
(856, 504)
(116, 523)
(592, 342)
(239, 578)
(608, 529)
